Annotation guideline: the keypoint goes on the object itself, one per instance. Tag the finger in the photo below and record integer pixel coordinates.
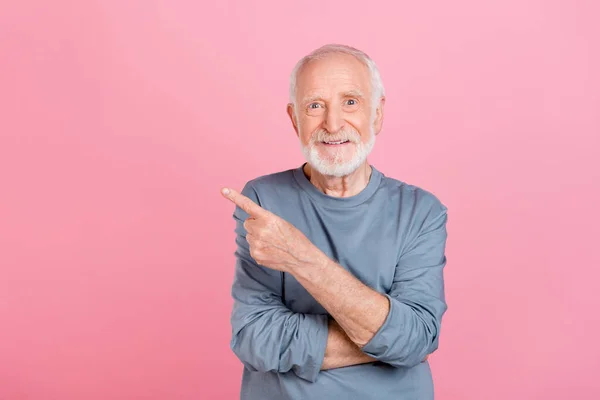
(244, 203)
(248, 224)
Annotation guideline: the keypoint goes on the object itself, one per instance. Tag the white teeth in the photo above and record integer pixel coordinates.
(340, 142)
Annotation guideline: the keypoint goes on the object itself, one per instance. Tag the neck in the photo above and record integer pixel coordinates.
(345, 186)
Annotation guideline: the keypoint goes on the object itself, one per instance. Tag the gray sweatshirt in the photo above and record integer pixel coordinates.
(392, 237)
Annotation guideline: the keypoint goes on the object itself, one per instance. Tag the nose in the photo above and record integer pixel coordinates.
(333, 120)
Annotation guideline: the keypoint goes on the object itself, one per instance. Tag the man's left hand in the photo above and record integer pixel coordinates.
(274, 242)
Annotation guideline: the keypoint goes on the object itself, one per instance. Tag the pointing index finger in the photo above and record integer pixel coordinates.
(245, 203)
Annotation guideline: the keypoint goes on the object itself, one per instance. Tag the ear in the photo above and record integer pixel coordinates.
(378, 122)
(292, 115)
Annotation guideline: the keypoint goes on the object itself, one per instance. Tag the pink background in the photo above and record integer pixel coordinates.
(121, 120)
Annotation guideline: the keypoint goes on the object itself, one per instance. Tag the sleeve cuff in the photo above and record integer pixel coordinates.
(319, 344)
(380, 343)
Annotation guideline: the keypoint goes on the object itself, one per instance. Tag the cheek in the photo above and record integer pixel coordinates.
(306, 132)
(305, 137)
(362, 125)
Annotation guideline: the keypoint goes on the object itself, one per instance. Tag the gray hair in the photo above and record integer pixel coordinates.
(377, 90)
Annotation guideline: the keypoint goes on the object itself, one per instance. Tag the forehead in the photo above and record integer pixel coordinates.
(334, 74)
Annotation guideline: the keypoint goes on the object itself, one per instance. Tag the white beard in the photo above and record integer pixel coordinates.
(338, 167)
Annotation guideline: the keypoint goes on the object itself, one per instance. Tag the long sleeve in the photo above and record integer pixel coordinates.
(266, 335)
(417, 301)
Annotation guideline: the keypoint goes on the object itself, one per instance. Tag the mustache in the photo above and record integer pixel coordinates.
(345, 134)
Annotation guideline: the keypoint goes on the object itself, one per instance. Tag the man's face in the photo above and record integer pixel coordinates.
(334, 119)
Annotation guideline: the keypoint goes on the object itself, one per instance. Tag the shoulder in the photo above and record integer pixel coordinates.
(269, 186)
(418, 208)
(411, 196)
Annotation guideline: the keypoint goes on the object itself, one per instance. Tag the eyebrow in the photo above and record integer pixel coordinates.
(310, 99)
(349, 93)
(354, 93)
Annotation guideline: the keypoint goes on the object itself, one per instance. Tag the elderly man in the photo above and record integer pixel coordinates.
(338, 289)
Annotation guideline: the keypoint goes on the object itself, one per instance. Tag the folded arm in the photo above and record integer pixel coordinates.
(417, 299)
(400, 327)
(341, 351)
(266, 335)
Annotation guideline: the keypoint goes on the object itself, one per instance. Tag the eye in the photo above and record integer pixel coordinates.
(314, 105)
(351, 102)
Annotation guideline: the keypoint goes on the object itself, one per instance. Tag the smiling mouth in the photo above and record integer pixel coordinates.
(338, 143)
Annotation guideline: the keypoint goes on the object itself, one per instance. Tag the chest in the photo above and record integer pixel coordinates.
(364, 242)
